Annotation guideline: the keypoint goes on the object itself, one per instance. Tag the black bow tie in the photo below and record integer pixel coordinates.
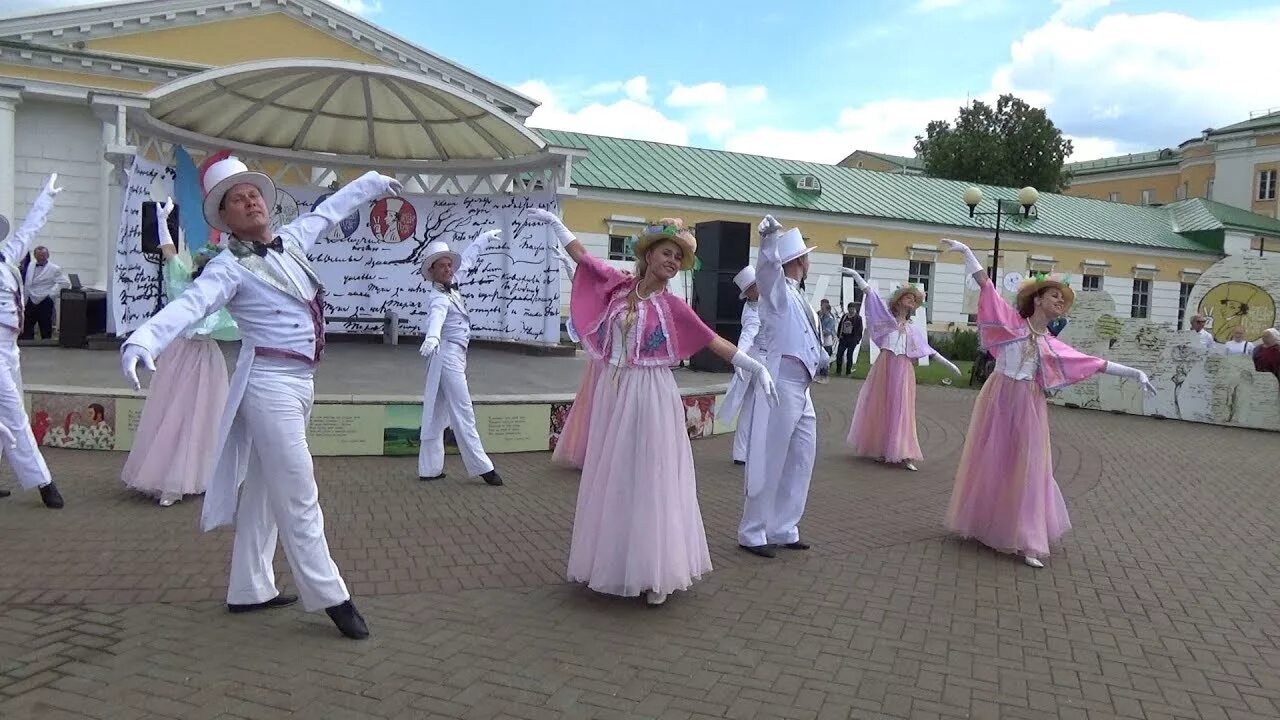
(261, 248)
(448, 288)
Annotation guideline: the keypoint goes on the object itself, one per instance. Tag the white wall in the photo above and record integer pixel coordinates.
(946, 298)
(1233, 180)
(1164, 301)
(66, 139)
(1121, 290)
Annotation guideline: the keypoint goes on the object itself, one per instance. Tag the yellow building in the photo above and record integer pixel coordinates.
(68, 80)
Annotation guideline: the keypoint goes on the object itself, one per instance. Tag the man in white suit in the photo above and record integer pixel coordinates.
(263, 480)
(738, 401)
(24, 457)
(780, 467)
(446, 399)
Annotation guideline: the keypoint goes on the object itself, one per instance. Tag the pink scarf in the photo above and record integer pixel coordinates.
(1060, 364)
(666, 329)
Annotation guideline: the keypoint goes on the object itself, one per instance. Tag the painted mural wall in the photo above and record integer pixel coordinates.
(1193, 382)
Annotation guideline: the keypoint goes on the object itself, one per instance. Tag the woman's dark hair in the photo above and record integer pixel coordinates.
(99, 412)
(1027, 307)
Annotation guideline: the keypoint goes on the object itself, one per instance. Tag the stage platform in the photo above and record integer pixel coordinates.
(368, 398)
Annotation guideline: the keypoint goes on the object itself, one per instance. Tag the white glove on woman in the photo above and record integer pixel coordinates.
(130, 356)
(971, 264)
(557, 226)
(946, 363)
(759, 374)
(1125, 371)
(857, 279)
(162, 222)
(769, 226)
(429, 347)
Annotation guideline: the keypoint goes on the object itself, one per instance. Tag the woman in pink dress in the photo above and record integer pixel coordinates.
(1005, 495)
(173, 447)
(571, 446)
(638, 529)
(884, 419)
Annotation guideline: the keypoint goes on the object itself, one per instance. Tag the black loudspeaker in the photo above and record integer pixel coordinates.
(724, 248)
(151, 229)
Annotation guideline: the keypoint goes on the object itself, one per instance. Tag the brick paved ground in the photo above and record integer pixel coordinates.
(1161, 603)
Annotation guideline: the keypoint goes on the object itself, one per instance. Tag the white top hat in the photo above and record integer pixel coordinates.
(791, 246)
(226, 174)
(437, 249)
(745, 278)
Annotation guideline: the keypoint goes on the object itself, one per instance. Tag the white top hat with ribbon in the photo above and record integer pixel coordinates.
(437, 249)
(225, 174)
(791, 246)
(745, 278)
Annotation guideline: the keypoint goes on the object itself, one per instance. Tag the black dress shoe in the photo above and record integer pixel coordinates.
(493, 478)
(764, 551)
(433, 477)
(348, 620)
(51, 497)
(797, 545)
(5, 493)
(739, 462)
(278, 601)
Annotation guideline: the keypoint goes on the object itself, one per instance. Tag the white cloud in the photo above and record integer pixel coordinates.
(637, 88)
(624, 117)
(1076, 10)
(359, 7)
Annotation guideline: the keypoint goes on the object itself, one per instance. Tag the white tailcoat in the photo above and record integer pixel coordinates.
(271, 312)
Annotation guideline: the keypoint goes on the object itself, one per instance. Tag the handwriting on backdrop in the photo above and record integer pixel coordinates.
(137, 289)
(369, 262)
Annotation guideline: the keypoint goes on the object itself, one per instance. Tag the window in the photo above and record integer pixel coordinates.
(1208, 189)
(1091, 282)
(1182, 192)
(861, 265)
(1184, 294)
(1148, 197)
(1141, 307)
(1267, 185)
(618, 248)
(1113, 197)
(919, 273)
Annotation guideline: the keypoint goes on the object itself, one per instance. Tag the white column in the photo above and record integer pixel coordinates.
(10, 96)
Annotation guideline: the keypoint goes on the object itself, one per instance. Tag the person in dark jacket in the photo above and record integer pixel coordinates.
(849, 335)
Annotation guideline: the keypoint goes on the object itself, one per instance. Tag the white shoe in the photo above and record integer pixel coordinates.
(1032, 562)
(167, 500)
(910, 466)
(654, 599)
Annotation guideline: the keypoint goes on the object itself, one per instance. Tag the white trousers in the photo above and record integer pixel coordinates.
(771, 515)
(25, 459)
(742, 435)
(451, 407)
(279, 496)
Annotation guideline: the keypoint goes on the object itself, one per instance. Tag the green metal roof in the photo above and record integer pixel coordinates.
(1198, 215)
(1260, 122)
(1132, 161)
(687, 172)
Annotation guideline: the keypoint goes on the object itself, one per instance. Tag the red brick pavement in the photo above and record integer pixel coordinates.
(1161, 603)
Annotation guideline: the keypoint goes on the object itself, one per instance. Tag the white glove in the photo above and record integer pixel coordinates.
(1125, 371)
(129, 359)
(7, 435)
(857, 279)
(759, 374)
(971, 264)
(565, 260)
(488, 236)
(49, 187)
(429, 347)
(390, 185)
(162, 221)
(769, 226)
(557, 226)
(947, 364)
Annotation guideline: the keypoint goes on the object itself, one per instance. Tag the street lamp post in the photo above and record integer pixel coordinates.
(1027, 198)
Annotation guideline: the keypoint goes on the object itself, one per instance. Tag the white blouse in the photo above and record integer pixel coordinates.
(1017, 360)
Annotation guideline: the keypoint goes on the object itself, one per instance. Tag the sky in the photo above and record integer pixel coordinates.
(822, 78)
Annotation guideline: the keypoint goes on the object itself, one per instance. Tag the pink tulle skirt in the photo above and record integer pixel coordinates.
(638, 526)
(1005, 495)
(884, 419)
(173, 446)
(571, 447)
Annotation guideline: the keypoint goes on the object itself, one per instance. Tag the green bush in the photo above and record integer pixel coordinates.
(957, 345)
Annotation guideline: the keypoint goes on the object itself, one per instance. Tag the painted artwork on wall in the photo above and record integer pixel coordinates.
(83, 422)
(699, 413)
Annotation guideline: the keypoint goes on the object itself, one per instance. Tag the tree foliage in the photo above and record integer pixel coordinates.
(1012, 144)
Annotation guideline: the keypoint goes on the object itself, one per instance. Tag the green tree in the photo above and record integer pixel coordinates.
(1011, 145)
